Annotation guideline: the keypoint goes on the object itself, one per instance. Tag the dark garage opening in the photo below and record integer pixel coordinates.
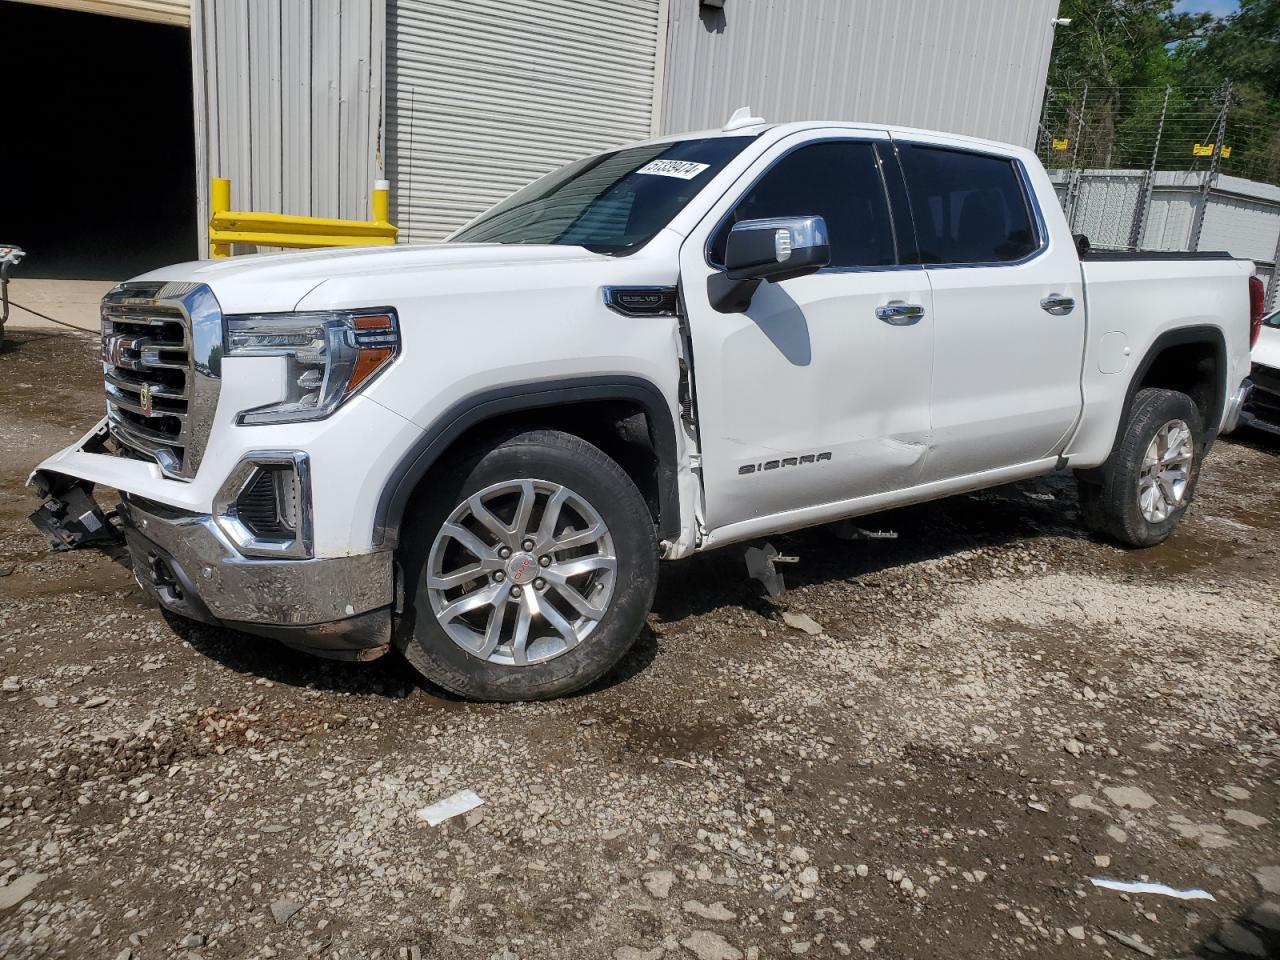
(97, 151)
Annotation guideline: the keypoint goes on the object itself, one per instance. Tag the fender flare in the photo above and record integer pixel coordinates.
(513, 398)
(1200, 333)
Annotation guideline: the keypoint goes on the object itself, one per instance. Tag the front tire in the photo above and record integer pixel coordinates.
(529, 569)
(1149, 480)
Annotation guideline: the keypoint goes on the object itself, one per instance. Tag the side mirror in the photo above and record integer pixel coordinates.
(776, 249)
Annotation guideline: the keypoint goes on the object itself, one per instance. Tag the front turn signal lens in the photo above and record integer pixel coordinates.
(377, 340)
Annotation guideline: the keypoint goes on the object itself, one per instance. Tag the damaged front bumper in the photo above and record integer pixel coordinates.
(337, 607)
(69, 517)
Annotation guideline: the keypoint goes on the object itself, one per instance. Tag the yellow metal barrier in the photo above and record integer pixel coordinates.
(227, 226)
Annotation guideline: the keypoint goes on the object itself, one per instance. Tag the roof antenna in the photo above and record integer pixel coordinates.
(742, 118)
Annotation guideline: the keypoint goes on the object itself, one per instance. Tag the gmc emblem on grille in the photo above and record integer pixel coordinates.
(114, 347)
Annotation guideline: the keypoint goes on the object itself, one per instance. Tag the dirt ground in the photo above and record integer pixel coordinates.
(995, 709)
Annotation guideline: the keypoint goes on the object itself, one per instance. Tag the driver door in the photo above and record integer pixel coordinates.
(809, 397)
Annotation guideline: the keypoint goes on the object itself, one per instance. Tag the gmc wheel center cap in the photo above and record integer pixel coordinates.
(522, 568)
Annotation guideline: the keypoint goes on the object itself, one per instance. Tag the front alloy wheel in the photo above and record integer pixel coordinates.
(521, 572)
(529, 564)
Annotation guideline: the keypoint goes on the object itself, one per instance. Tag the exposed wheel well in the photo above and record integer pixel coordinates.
(620, 428)
(626, 417)
(1194, 367)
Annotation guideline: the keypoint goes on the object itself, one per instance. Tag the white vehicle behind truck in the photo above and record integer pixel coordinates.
(476, 452)
(1262, 405)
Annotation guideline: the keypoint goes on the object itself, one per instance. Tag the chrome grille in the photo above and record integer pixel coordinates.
(161, 344)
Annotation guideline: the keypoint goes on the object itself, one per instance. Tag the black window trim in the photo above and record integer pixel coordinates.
(1028, 196)
(894, 228)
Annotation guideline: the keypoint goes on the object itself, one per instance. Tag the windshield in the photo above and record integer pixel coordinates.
(610, 203)
(1272, 319)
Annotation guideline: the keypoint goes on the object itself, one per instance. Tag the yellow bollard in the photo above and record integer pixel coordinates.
(229, 227)
(219, 202)
(381, 201)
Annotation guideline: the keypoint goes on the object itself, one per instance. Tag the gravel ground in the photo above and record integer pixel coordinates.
(981, 715)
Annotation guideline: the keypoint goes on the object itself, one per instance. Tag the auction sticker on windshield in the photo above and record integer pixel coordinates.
(681, 169)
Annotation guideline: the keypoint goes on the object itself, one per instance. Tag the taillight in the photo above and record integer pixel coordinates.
(1256, 300)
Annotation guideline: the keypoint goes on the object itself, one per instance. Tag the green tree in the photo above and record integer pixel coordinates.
(1244, 50)
(1112, 44)
(1244, 47)
(1128, 52)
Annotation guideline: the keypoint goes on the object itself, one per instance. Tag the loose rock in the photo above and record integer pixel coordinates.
(658, 883)
(283, 909)
(1131, 797)
(1268, 878)
(1131, 942)
(19, 889)
(706, 945)
(1237, 939)
(715, 911)
(802, 622)
(1247, 818)
(635, 953)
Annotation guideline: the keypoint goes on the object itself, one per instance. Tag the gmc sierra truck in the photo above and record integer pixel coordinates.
(477, 451)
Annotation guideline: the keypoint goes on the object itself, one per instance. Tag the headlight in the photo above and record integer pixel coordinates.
(330, 355)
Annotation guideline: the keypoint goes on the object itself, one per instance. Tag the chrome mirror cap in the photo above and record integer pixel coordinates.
(777, 248)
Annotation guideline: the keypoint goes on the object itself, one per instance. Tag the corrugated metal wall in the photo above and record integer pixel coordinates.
(975, 67)
(289, 103)
(486, 95)
(175, 12)
(1242, 216)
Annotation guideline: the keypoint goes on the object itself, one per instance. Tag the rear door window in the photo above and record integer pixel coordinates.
(968, 208)
(838, 180)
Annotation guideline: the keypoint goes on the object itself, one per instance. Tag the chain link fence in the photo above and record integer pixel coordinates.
(1166, 169)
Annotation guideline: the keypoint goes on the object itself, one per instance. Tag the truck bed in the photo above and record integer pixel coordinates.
(1138, 300)
(1112, 256)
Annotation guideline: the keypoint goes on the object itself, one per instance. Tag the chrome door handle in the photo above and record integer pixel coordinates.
(899, 313)
(1057, 304)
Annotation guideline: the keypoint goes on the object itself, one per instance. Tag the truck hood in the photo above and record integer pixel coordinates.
(279, 281)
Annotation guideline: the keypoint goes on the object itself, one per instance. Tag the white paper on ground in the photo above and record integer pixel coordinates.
(1134, 886)
(440, 811)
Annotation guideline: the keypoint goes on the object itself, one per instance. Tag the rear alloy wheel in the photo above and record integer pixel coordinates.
(1166, 471)
(529, 569)
(1141, 493)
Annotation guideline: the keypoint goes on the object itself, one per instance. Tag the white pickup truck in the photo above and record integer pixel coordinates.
(477, 451)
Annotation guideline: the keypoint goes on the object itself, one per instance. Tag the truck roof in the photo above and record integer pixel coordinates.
(799, 126)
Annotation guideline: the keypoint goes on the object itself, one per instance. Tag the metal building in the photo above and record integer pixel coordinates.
(965, 66)
(483, 97)
(303, 104)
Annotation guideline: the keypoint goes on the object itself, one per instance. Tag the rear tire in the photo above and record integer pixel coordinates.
(1140, 494)
(550, 604)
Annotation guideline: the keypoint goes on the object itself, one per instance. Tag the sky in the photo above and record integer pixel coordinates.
(1219, 8)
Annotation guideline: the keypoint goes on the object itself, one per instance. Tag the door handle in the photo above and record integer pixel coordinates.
(1057, 304)
(899, 313)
